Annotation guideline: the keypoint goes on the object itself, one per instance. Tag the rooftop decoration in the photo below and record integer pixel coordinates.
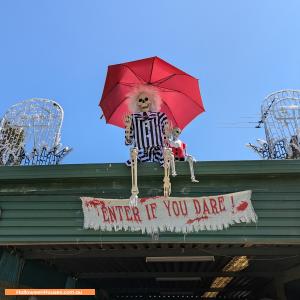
(30, 133)
(179, 153)
(149, 97)
(175, 214)
(280, 118)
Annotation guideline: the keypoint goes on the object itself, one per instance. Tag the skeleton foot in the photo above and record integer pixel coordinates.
(193, 179)
(167, 189)
(133, 200)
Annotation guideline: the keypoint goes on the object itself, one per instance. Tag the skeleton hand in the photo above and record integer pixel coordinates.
(168, 130)
(127, 121)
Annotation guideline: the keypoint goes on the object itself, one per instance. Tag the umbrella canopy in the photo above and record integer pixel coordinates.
(179, 91)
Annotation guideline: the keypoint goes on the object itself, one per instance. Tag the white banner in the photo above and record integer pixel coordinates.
(177, 214)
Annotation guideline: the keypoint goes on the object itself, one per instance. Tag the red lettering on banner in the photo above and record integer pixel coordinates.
(112, 214)
(104, 213)
(221, 203)
(205, 208)
(184, 210)
(153, 210)
(213, 205)
(120, 211)
(127, 211)
(175, 208)
(232, 204)
(167, 205)
(192, 214)
(197, 206)
(136, 214)
(148, 213)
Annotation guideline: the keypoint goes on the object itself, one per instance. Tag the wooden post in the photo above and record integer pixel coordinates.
(279, 288)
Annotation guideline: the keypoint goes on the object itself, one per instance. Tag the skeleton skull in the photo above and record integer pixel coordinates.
(143, 102)
(176, 133)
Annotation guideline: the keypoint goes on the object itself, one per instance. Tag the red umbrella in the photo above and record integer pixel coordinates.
(179, 91)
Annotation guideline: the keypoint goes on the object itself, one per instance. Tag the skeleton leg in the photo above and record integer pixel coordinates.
(167, 161)
(172, 162)
(134, 188)
(190, 160)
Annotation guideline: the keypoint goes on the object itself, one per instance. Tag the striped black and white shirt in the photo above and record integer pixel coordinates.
(147, 130)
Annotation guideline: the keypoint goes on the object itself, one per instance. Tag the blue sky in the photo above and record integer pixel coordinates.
(241, 51)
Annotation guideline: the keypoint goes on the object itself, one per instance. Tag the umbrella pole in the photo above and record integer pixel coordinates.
(190, 160)
(134, 188)
(167, 162)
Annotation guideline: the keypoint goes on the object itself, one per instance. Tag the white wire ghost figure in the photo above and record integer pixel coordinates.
(30, 133)
(280, 115)
(11, 144)
(179, 153)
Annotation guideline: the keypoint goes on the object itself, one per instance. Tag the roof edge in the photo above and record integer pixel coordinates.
(108, 170)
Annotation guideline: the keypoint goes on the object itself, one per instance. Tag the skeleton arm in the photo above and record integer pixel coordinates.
(128, 130)
(166, 128)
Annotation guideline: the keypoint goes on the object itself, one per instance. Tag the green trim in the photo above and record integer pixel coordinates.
(108, 170)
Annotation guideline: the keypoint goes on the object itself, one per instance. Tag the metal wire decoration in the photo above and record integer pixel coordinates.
(30, 133)
(280, 117)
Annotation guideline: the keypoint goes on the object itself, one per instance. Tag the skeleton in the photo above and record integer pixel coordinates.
(179, 153)
(281, 119)
(146, 129)
(30, 133)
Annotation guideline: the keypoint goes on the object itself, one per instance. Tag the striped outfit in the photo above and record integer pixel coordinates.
(147, 134)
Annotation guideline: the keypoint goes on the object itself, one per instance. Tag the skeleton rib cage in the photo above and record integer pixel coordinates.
(30, 133)
(280, 116)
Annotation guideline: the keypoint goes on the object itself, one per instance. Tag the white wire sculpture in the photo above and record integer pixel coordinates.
(280, 116)
(30, 133)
